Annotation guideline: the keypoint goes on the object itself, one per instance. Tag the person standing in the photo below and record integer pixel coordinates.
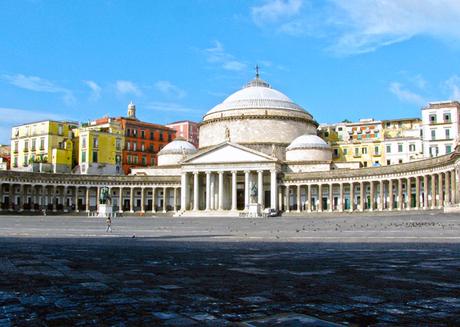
(109, 225)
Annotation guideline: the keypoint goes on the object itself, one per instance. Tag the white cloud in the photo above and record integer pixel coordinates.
(453, 84)
(127, 87)
(170, 107)
(361, 26)
(217, 55)
(38, 84)
(275, 10)
(95, 88)
(13, 117)
(406, 95)
(167, 88)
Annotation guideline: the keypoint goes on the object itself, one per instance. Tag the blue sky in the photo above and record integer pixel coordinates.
(176, 59)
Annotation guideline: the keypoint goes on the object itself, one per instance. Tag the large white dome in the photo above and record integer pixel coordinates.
(178, 146)
(256, 95)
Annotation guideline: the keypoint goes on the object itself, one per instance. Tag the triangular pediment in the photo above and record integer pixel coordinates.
(228, 153)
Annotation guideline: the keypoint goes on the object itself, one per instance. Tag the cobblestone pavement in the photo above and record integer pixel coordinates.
(178, 272)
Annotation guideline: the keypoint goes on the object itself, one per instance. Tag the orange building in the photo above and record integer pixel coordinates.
(142, 140)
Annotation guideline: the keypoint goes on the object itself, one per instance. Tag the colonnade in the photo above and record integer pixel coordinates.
(431, 191)
(220, 190)
(32, 197)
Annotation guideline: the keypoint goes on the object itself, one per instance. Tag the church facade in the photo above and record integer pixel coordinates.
(258, 150)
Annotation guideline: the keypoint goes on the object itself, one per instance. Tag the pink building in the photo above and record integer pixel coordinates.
(186, 129)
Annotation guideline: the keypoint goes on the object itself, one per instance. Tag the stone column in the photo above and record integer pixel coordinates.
(372, 196)
(273, 189)
(76, 199)
(234, 191)
(447, 188)
(183, 192)
(331, 197)
(154, 199)
(120, 199)
(131, 199)
(32, 197)
(417, 192)
(64, 197)
(309, 198)
(165, 198)
(208, 190)
(21, 197)
(98, 193)
(400, 194)
(352, 197)
(195, 191)
(221, 190)
(212, 202)
(246, 189)
(142, 199)
(453, 187)
(361, 195)
(175, 200)
(260, 188)
(299, 204)
(1, 196)
(433, 191)
(288, 200)
(382, 196)
(440, 191)
(87, 199)
(320, 197)
(408, 193)
(390, 203)
(425, 192)
(341, 196)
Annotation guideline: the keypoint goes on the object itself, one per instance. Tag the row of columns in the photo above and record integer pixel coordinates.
(42, 196)
(214, 185)
(416, 192)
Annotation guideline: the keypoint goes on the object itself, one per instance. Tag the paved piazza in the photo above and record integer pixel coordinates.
(378, 269)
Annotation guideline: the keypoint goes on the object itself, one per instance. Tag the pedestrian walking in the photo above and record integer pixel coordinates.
(109, 225)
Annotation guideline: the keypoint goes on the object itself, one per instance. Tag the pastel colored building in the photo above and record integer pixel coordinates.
(98, 147)
(143, 140)
(186, 129)
(402, 140)
(44, 146)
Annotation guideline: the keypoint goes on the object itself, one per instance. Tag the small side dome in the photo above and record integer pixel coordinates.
(175, 151)
(308, 148)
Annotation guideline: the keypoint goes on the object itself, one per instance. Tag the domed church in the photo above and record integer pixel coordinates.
(246, 144)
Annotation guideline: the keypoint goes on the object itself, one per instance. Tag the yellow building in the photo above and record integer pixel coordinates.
(44, 146)
(402, 140)
(360, 142)
(98, 147)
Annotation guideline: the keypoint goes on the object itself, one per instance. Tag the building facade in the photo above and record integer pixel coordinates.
(98, 147)
(440, 127)
(42, 146)
(402, 140)
(186, 129)
(258, 150)
(142, 140)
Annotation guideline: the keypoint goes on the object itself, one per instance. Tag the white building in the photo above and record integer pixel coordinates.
(440, 128)
(402, 140)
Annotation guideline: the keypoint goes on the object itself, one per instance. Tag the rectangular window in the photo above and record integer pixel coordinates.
(144, 161)
(129, 159)
(34, 141)
(448, 149)
(60, 130)
(433, 134)
(134, 146)
(135, 160)
(95, 142)
(169, 137)
(400, 147)
(447, 131)
(411, 147)
(26, 160)
(364, 150)
(336, 153)
(95, 156)
(345, 152)
(400, 161)
(83, 156)
(16, 146)
(143, 134)
(42, 143)
(356, 152)
(161, 136)
(26, 145)
(388, 162)
(432, 119)
(365, 163)
(128, 146)
(151, 135)
(388, 148)
(376, 150)
(151, 147)
(83, 142)
(447, 118)
(118, 144)
(135, 132)
(152, 161)
(142, 147)
(117, 159)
